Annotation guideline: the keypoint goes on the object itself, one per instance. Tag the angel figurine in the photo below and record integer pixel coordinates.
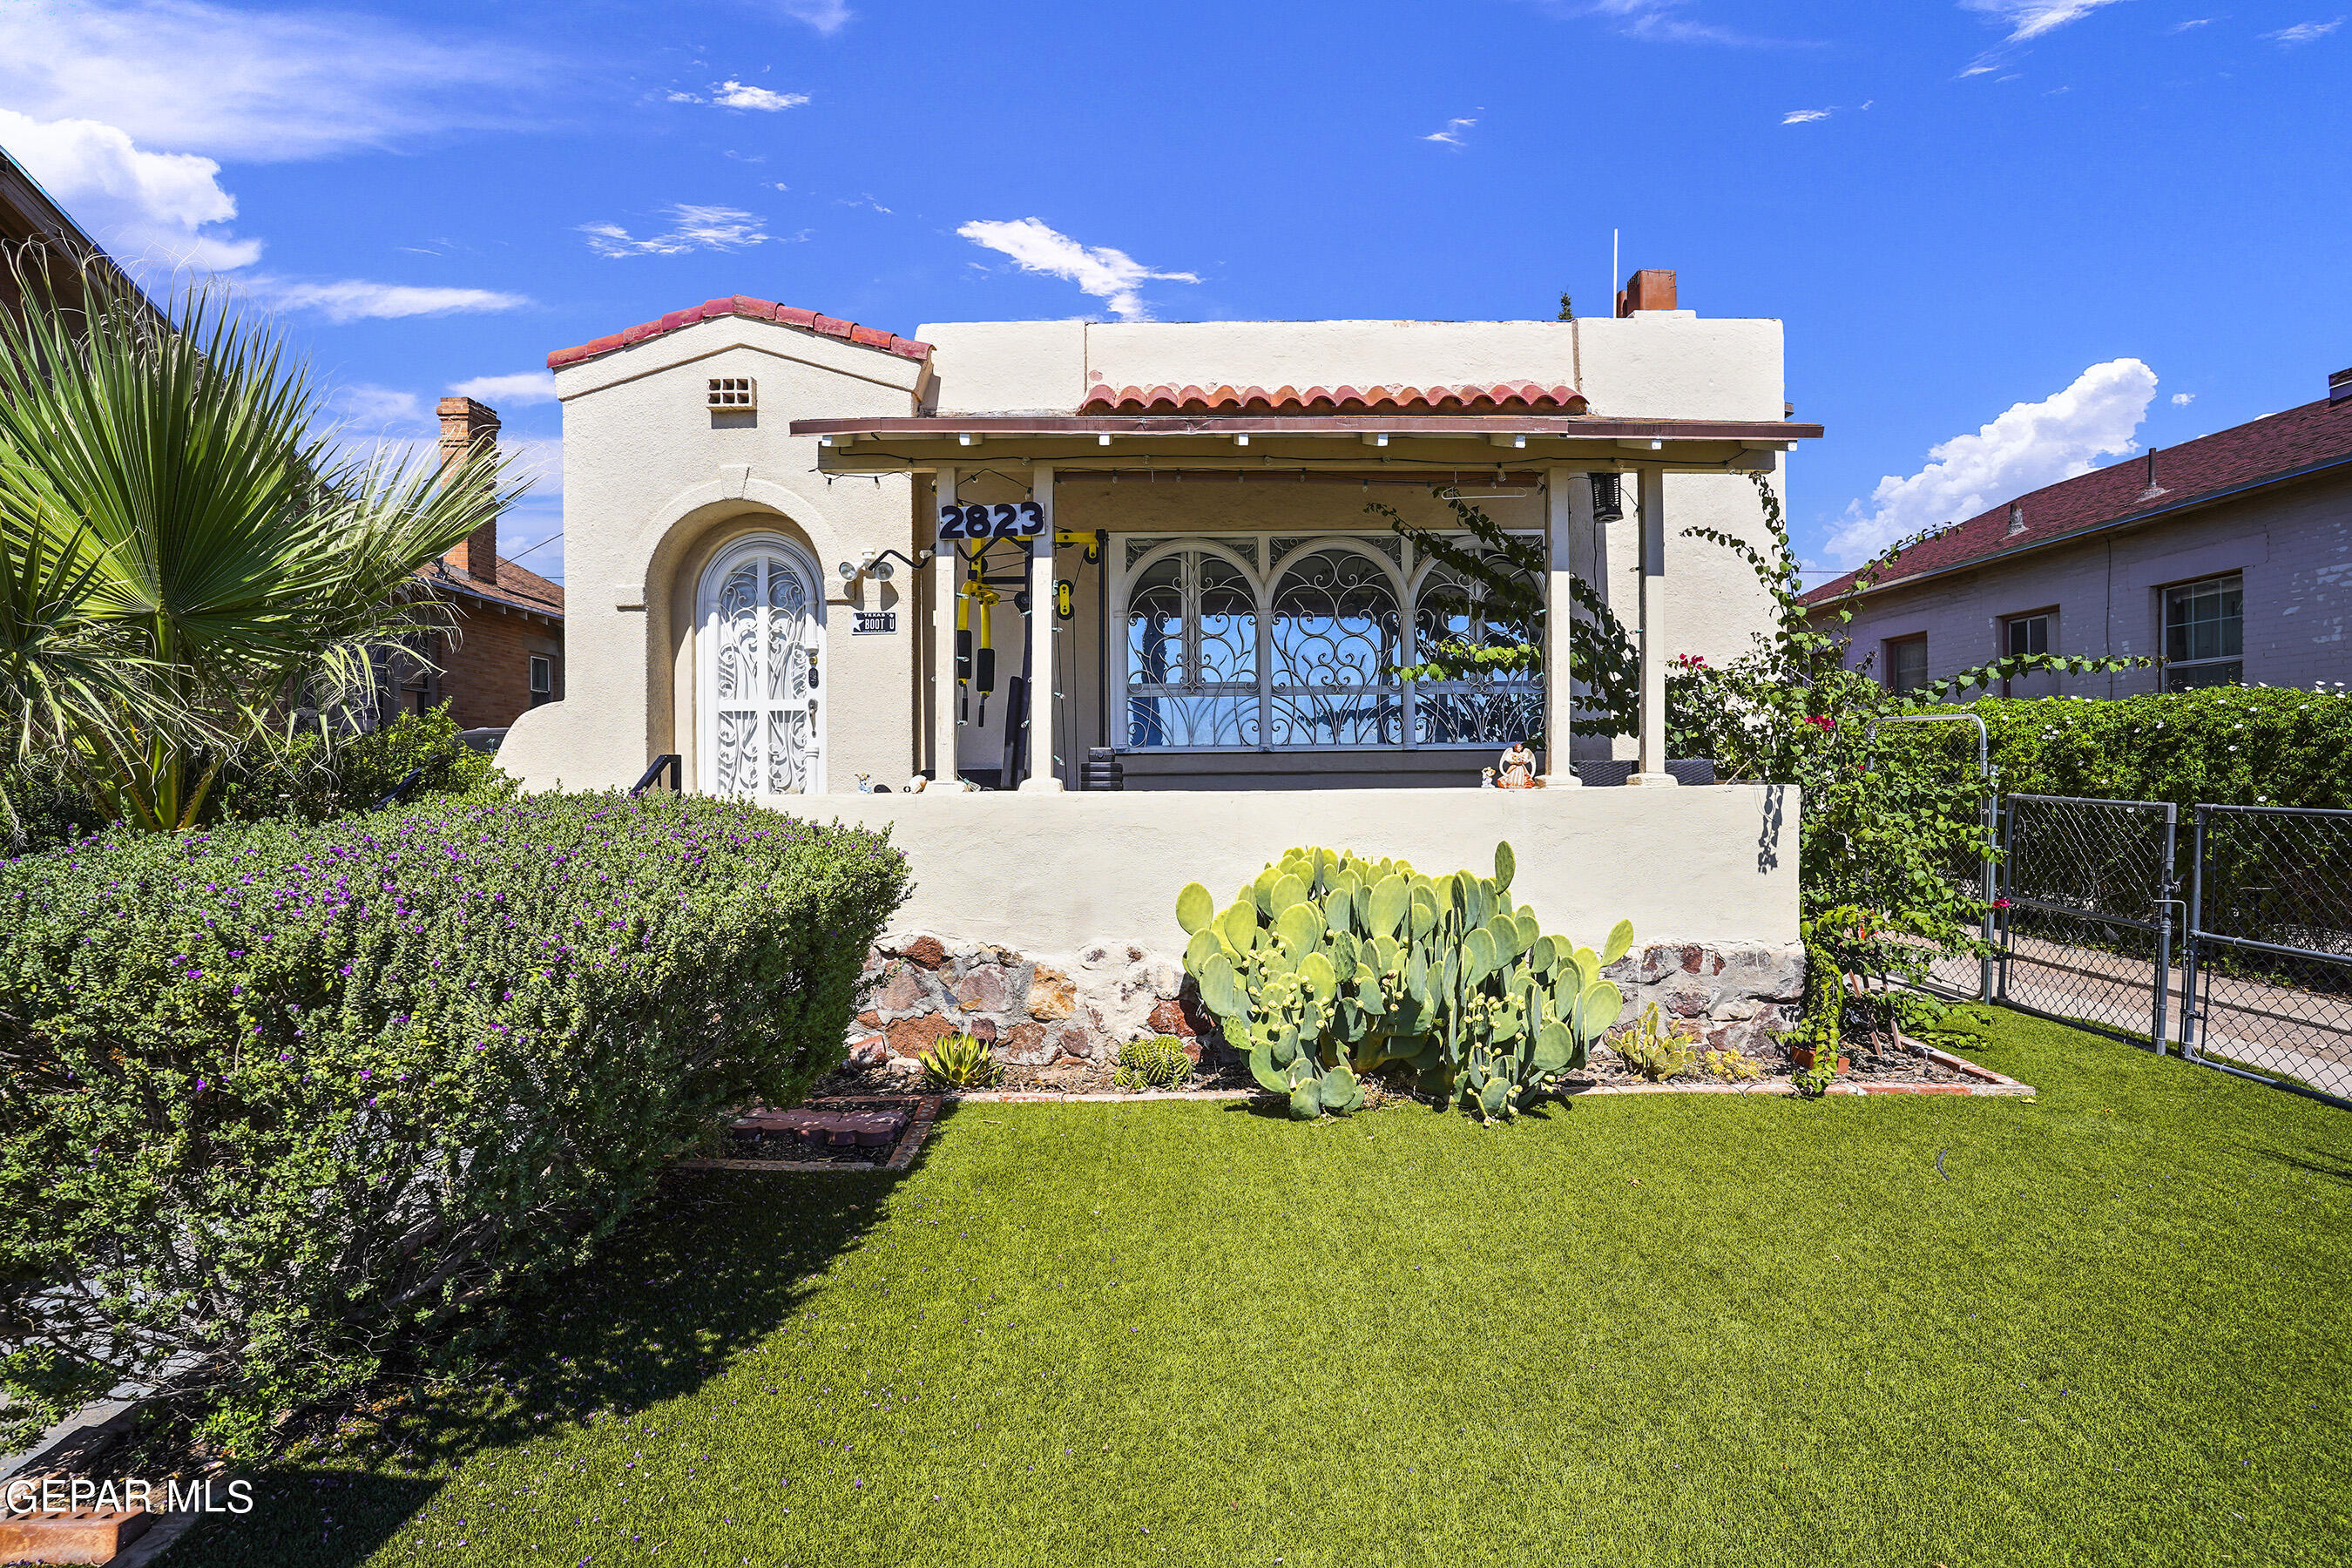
(1518, 768)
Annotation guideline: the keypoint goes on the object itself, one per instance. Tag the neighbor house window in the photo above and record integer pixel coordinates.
(1906, 663)
(2205, 634)
(542, 679)
(1262, 641)
(2027, 633)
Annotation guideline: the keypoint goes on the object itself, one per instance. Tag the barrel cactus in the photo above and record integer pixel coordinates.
(1330, 965)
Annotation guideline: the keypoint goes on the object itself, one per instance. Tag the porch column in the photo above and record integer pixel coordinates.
(943, 609)
(1045, 740)
(1561, 486)
(1651, 767)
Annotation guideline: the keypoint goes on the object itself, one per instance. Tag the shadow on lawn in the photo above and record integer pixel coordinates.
(713, 1266)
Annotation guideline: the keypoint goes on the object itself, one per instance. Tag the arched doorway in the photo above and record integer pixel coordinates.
(758, 695)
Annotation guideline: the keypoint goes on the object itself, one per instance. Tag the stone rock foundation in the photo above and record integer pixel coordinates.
(1084, 1007)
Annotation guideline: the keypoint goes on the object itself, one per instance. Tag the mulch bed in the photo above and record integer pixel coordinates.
(828, 1132)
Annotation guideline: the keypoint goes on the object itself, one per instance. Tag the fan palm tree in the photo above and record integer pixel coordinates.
(192, 558)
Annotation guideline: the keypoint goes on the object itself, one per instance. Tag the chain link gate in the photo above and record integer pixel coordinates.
(2085, 923)
(2269, 965)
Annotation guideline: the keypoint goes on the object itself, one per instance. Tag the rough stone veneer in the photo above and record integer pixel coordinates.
(1084, 1007)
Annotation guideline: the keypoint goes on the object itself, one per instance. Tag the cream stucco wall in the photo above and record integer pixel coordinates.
(656, 484)
(1049, 874)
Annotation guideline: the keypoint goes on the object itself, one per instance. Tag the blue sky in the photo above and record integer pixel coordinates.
(2010, 239)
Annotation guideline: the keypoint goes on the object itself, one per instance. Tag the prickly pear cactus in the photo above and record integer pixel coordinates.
(1330, 965)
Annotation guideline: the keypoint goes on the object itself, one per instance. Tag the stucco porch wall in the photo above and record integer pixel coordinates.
(1057, 873)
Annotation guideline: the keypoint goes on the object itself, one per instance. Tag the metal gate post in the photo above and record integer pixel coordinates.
(2008, 834)
(2189, 977)
(2164, 933)
(1988, 881)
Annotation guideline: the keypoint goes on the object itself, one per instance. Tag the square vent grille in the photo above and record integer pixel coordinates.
(733, 393)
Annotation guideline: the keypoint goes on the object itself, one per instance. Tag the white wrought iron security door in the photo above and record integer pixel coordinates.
(761, 697)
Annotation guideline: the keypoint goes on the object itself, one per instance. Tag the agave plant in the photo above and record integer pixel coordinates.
(192, 558)
(1328, 966)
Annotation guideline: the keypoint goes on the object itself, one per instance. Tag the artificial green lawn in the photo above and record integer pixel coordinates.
(1641, 1329)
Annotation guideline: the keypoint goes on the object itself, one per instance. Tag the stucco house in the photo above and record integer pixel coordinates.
(804, 554)
(2225, 557)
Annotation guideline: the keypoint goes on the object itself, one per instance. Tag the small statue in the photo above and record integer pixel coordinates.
(918, 783)
(1518, 768)
(1486, 778)
(866, 786)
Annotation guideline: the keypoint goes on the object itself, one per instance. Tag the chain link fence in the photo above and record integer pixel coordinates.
(2270, 946)
(2085, 922)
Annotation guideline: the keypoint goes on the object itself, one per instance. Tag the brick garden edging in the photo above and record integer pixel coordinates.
(1988, 1084)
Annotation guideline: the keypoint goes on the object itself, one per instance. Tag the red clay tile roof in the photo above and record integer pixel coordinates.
(759, 311)
(2272, 447)
(516, 586)
(1509, 398)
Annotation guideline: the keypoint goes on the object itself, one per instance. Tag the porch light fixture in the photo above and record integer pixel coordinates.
(1379, 439)
(966, 438)
(1102, 440)
(1241, 440)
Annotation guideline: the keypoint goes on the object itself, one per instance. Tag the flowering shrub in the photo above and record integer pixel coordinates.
(283, 1100)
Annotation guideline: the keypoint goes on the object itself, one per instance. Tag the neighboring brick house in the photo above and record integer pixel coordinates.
(505, 654)
(2228, 557)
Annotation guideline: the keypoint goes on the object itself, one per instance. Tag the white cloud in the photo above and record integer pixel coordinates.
(1660, 21)
(247, 83)
(1805, 116)
(2031, 19)
(522, 387)
(825, 15)
(2031, 445)
(1111, 276)
(364, 405)
(360, 299)
(2192, 22)
(742, 95)
(692, 228)
(2183, 399)
(1451, 132)
(2301, 33)
(866, 200)
(153, 211)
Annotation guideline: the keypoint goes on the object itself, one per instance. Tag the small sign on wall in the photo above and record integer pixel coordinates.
(872, 623)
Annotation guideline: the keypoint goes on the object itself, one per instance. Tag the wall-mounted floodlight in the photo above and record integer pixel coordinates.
(876, 565)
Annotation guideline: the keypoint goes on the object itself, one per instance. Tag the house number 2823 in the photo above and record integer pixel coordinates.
(1006, 520)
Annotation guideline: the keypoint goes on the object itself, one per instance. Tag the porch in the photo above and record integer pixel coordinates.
(1213, 587)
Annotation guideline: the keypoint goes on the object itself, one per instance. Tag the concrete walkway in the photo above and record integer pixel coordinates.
(2303, 1035)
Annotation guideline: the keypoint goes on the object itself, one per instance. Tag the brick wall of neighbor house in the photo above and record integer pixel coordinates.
(486, 675)
(2293, 546)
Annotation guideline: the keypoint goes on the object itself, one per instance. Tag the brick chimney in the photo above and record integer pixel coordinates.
(1651, 289)
(466, 425)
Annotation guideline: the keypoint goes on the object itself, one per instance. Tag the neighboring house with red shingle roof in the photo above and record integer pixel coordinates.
(2229, 557)
(503, 655)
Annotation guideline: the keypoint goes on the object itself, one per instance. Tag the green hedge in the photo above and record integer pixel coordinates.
(286, 1099)
(2224, 745)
